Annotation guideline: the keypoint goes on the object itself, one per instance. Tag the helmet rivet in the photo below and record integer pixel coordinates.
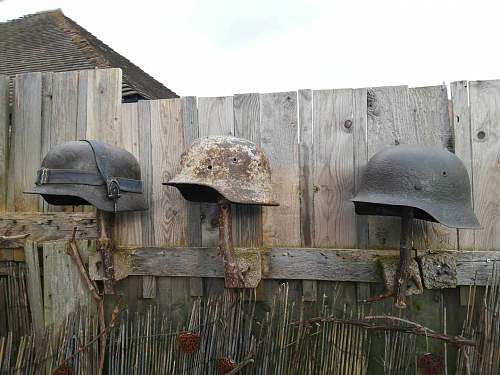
(445, 173)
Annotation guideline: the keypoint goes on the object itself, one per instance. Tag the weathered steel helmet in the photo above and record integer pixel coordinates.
(431, 180)
(89, 172)
(234, 168)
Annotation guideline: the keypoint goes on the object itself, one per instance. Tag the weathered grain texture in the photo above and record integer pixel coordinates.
(485, 137)
(26, 141)
(168, 206)
(191, 132)
(4, 139)
(306, 185)
(306, 166)
(34, 287)
(102, 110)
(279, 132)
(389, 123)
(356, 265)
(247, 220)
(334, 218)
(46, 226)
(430, 119)
(128, 226)
(215, 117)
(148, 283)
(64, 288)
(463, 147)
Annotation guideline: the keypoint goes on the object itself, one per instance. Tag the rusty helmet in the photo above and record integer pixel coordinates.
(431, 180)
(89, 172)
(233, 168)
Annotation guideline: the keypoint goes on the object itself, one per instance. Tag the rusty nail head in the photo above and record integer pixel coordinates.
(347, 124)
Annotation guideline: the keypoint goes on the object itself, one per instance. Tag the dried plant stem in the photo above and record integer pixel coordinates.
(105, 247)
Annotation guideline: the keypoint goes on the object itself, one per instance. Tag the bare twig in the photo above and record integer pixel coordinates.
(240, 366)
(15, 237)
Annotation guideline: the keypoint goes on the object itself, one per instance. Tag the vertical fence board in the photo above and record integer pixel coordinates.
(281, 225)
(4, 139)
(247, 220)
(429, 109)
(463, 148)
(26, 141)
(309, 287)
(191, 132)
(128, 226)
(333, 177)
(388, 124)
(215, 117)
(34, 287)
(485, 138)
(64, 288)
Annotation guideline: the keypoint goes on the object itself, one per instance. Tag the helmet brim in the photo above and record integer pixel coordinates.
(94, 195)
(232, 193)
(452, 216)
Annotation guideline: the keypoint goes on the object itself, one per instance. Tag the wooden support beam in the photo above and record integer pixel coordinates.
(34, 281)
(284, 263)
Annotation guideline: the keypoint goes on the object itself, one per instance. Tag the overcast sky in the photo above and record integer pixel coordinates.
(223, 47)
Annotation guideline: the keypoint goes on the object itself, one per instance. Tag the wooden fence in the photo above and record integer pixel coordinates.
(318, 142)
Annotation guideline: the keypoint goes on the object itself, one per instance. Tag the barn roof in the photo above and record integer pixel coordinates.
(51, 42)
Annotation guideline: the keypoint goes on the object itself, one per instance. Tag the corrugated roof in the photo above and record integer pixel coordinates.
(51, 42)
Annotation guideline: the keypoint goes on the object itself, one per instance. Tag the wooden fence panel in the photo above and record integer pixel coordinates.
(215, 117)
(485, 112)
(4, 139)
(279, 139)
(26, 140)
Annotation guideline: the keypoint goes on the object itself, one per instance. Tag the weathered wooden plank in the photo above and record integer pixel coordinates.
(279, 133)
(26, 140)
(247, 220)
(306, 185)
(64, 288)
(168, 207)
(4, 139)
(484, 112)
(429, 110)
(388, 124)
(215, 117)
(47, 226)
(334, 217)
(355, 265)
(34, 281)
(463, 147)
(191, 132)
(128, 225)
(145, 161)
(103, 105)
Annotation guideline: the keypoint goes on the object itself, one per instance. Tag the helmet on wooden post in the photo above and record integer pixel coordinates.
(89, 172)
(431, 180)
(233, 168)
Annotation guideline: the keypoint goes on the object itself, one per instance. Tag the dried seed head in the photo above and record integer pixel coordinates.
(189, 342)
(225, 365)
(63, 370)
(431, 364)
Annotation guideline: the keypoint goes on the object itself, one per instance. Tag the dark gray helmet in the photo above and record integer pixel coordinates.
(431, 180)
(91, 173)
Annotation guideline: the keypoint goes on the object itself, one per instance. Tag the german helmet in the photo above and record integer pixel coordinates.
(431, 180)
(226, 166)
(89, 172)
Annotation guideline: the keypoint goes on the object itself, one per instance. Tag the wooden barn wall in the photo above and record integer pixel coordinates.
(318, 142)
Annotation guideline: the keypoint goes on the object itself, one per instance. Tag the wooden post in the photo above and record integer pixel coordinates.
(232, 273)
(105, 247)
(403, 276)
